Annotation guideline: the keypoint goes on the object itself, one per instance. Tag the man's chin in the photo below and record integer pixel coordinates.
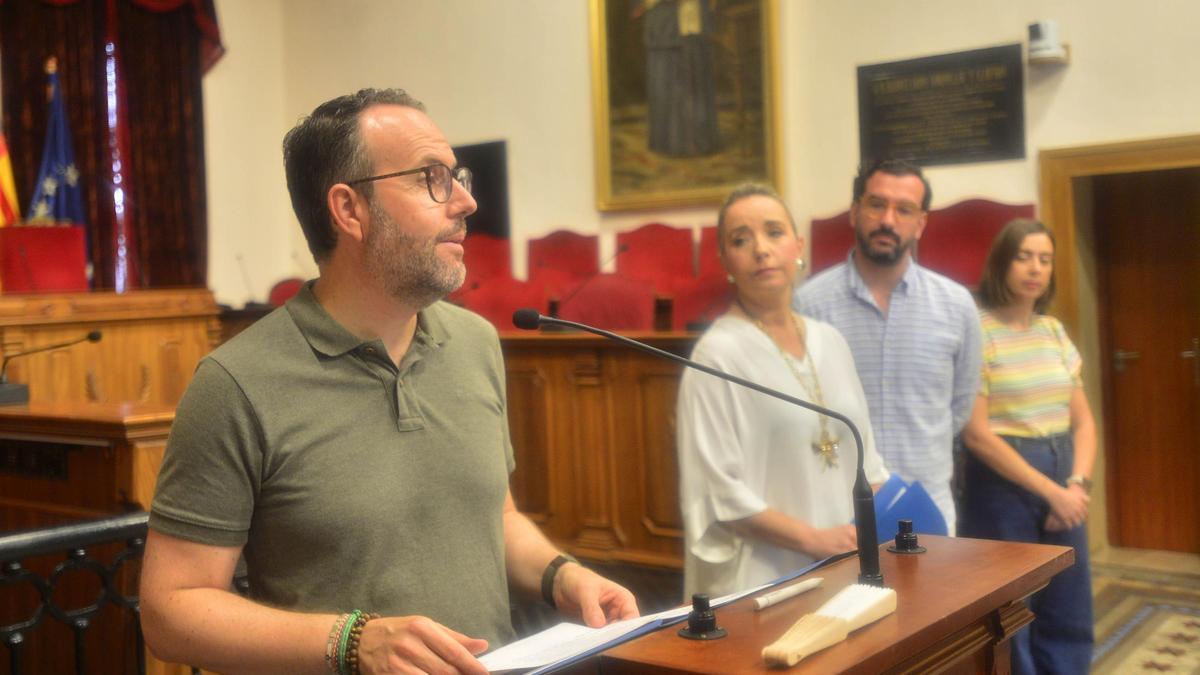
(888, 256)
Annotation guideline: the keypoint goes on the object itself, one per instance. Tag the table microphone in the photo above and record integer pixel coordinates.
(864, 497)
(17, 393)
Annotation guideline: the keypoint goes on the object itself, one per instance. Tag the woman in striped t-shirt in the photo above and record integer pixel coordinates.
(1032, 442)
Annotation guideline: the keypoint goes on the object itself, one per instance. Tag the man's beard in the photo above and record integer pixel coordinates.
(883, 257)
(408, 266)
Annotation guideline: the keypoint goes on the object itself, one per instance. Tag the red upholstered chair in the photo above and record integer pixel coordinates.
(700, 302)
(497, 299)
(709, 261)
(486, 257)
(831, 241)
(612, 302)
(658, 254)
(283, 291)
(957, 238)
(560, 259)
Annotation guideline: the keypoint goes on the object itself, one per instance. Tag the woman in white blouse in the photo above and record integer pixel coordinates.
(766, 485)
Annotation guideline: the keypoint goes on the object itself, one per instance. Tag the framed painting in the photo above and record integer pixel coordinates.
(685, 100)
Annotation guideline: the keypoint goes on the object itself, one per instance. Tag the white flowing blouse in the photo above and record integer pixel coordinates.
(741, 451)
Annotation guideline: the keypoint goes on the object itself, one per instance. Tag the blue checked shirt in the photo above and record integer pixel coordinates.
(919, 365)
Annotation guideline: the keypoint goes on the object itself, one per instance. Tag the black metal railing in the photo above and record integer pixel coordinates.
(74, 540)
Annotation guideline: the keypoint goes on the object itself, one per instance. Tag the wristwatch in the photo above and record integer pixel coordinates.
(550, 572)
(1080, 480)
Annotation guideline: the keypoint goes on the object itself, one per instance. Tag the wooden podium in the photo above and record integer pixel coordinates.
(66, 461)
(957, 606)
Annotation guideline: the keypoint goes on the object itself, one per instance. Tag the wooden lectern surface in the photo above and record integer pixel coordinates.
(84, 420)
(952, 601)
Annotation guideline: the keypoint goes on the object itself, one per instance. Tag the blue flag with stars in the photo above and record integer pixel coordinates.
(57, 196)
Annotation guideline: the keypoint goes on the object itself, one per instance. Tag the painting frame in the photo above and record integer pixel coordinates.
(630, 173)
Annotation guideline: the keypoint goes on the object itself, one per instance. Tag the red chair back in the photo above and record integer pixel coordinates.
(658, 254)
(560, 259)
(612, 302)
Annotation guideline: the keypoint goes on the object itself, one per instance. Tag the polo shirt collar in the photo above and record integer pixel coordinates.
(331, 338)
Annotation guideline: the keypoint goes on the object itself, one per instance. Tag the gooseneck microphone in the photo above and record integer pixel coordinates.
(864, 498)
(17, 393)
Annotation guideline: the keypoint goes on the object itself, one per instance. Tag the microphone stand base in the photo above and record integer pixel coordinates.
(871, 580)
(14, 393)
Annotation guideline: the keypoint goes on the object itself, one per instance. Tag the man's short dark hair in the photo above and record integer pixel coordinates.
(749, 190)
(893, 167)
(324, 149)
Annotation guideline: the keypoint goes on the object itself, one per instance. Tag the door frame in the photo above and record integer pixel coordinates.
(1057, 169)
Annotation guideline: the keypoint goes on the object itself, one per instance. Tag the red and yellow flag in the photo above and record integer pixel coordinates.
(9, 210)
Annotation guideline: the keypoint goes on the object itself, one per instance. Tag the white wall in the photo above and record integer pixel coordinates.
(249, 214)
(520, 71)
(1132, 75)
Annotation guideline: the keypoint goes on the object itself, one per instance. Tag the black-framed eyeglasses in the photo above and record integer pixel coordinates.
(877, 207)
(439, 179)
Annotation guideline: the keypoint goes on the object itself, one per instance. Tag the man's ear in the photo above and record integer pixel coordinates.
(921, 225)
(348, 209)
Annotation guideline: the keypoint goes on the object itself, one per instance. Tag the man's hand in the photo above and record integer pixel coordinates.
(409, 644)
(581, 592)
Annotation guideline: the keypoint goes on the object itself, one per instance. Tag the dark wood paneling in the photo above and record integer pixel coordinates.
(593, 428)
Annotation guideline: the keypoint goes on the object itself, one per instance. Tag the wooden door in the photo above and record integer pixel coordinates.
(1148, 237)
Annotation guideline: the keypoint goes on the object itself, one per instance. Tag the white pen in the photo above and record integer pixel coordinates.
(775, 597)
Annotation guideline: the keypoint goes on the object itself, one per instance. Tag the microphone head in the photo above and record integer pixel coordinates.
(527, 319)
(94, 336)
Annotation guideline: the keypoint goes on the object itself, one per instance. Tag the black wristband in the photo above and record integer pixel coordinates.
(550, 573)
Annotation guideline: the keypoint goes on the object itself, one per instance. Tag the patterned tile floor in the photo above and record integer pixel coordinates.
(1147, 618)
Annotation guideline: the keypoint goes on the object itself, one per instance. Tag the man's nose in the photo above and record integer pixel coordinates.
(461, 200)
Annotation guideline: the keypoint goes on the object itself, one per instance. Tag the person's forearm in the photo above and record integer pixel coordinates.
(1004, 460)
(221, 631)
(775, 528)
(1083, 433)
(527, 552)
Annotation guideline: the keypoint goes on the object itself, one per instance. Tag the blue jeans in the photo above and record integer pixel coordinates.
(1060, 638)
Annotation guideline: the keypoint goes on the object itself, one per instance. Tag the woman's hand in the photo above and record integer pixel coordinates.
(1068, 507)
(831, 541)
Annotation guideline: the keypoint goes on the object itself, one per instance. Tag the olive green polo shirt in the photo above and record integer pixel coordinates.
(350, 482)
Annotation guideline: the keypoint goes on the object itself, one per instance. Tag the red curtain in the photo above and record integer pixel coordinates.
(162, 49)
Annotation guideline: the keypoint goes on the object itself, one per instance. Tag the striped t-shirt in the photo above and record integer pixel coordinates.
(1028, 376)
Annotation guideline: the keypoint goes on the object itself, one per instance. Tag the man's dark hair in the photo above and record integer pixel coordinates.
(741, 192)
(893, 167)
(324, 149)
(993, 287)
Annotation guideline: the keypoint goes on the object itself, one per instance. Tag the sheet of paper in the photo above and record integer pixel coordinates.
(567, 640)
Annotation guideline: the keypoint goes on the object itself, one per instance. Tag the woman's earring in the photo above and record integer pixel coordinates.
(799, 264)
(729, 278)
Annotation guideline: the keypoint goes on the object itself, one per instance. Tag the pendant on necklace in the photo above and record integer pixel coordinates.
(827, 449)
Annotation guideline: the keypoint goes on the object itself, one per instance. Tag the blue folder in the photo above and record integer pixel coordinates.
(898, 500)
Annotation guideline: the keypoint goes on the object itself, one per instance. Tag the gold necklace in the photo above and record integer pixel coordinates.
(826, 448)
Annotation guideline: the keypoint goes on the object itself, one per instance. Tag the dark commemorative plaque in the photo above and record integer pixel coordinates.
(946, 109)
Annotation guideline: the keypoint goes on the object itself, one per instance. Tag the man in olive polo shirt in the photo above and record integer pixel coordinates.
(353, 445)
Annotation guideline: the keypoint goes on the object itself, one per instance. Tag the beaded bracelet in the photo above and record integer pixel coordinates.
(343, 640)
(352, 647)
(331, 644)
